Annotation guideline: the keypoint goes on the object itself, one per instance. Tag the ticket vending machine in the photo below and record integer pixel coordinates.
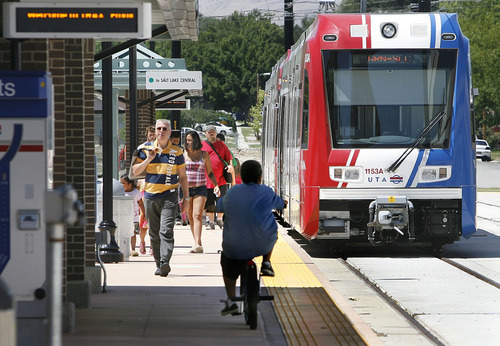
(26, 127)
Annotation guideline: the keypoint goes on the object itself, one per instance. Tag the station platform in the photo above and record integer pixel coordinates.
(139, 308)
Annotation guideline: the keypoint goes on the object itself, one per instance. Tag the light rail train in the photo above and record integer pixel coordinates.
(368, 131)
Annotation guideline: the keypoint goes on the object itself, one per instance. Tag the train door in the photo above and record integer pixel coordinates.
(294, 209)
(279, 146)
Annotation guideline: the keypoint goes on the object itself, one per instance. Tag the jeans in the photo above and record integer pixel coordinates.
(160, 213)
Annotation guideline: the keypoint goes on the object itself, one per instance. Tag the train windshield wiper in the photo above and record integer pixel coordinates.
(417, 140)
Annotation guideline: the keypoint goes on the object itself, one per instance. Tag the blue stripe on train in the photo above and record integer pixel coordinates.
(433, 30)
(415, 168)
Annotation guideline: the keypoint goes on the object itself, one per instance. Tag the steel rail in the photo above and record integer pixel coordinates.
(471, 272)
(410, 318)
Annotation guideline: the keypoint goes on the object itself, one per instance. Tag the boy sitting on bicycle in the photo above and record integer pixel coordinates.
(250, 229)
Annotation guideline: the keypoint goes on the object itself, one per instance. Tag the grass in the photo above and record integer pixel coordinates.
(495, 155)
(247, 131)
(492, 189)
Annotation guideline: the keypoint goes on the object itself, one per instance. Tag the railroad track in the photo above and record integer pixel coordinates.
(392, 303)
(496, 212)
(376, 280)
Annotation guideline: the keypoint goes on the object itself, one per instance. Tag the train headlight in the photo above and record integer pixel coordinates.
(389, 30)
(351, 174)
(429, 174)
(348, 174)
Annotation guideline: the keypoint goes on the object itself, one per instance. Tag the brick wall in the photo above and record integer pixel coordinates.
(89, 152)
(70, 63)
(145, 115)
(79, 158)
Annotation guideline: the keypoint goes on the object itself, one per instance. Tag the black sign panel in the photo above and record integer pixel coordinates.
(164, 105)
(69, 20)
(76, 19)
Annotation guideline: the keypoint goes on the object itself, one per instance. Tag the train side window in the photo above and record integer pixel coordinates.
(305, 113)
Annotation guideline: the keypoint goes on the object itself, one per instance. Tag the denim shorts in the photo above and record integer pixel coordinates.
(198, 191)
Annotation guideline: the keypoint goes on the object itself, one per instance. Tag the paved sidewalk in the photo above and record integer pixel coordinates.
(140, 308)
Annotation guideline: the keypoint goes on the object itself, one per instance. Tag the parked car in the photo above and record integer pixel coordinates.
(483, 150)
(221, 128)
(185, 130)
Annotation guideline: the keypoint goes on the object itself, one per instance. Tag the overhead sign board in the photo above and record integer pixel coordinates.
(174, 80)
(77, 20)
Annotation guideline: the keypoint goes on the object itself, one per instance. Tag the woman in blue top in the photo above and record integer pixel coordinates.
(250, 229)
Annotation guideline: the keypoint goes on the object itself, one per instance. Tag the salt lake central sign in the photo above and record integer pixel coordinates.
(77, 20)
(177, 80)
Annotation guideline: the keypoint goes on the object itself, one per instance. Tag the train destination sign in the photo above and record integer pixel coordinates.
(390, 58)
(83, 20)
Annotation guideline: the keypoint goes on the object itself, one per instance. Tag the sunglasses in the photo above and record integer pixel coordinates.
(162, 128)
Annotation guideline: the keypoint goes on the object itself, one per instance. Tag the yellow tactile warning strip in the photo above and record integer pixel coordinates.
(306, 312)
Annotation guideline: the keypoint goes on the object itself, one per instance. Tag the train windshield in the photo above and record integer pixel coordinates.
(385, 98)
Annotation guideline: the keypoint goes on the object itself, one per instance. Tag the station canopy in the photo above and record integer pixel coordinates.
(147, 60)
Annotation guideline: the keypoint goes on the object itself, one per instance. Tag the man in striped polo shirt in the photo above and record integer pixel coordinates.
(164, 165)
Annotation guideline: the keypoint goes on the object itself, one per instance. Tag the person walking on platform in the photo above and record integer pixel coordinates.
(222, 138)
(164, 165)
(216, 148)
(250, 229)
(150, 133)
(180, 218)
(131, 190)
(198, 167)
(150, 137)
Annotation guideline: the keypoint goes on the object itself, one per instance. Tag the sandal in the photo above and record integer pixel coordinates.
(142, 249)
(198, 249)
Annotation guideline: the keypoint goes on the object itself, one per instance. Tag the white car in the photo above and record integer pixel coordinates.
(185, 130)
(221, 128)
(483, 150)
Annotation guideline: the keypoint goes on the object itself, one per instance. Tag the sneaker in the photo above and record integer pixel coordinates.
(178, 222)
(266, 269)
(164, 269)
(230, 309)
(142, 249)
(212, 225)
(135, 253)
(198, 249)
(220, 223)
(157, 272)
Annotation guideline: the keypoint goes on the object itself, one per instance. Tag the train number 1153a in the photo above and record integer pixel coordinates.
(374, 171)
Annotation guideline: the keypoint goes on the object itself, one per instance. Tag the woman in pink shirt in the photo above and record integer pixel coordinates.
(197, 163)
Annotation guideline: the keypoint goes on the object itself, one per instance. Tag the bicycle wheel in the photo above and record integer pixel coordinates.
(244, 295)
(252, 313)
(251, 296)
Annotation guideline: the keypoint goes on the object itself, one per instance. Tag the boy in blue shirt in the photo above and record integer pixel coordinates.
(250, 229)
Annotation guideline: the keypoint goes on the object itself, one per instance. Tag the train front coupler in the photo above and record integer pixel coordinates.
(389, 218)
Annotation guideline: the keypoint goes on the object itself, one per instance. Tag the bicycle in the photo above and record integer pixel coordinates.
(250, 293)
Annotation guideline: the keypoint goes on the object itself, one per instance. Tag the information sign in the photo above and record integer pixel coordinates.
(77, 20)
(174, 80)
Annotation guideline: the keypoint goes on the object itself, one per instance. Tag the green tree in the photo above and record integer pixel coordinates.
(304, 24)
(230, 52)
(480, 22)
(256, 114)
